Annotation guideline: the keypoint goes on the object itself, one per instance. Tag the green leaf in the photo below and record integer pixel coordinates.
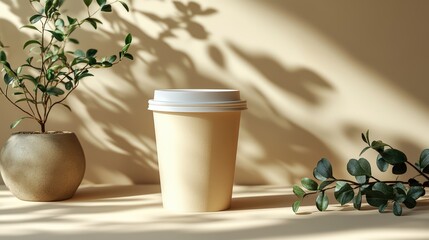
(106, 8)
(357, 200)
(79, 53)
(363, 138)
(59, 23)
(74, 40)
(92, 61)
(410, 202)
(57, 35)
(361, 179)
(376, 198)
(128, 39)
(29, 42)
(17, 122)
(8, 79)
(364, 150)
(359, 167)
(424, 159)
(298, 191)
(399, 194)
(399, 168)
(296, 205)
(322, 201)
(84, 75)
(381, 164)
(3, 57)
(129, 56)
(91, 52)
(112, 59)
(309, 184)
(48, 6)
(55, 91)
(93, 22)
(41, 88)
(30, 27)
(415, 192)
(383, 188)
(125, 6)
(35, 18)
(378, 145)
(66, 106)
(25, 100)
(68, 85)
(393, 156)
(125, 48)
(325, 184)
(50, 75)
(323, 170)
(382, 207)
(101, 3)
(343, 192)
(87, 2)
(71, 20)
(397, 209)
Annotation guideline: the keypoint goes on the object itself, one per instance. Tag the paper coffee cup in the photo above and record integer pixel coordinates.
(196, 137)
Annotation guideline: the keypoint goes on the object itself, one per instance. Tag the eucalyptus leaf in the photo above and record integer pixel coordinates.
(296, 205)
(298, 191)
(383, 188)
(399, 168)
(343, 193)
(322, 201)
(382, 207)
(359, 167)
(323, 170)
(424, 159)
(309, 184)
(415, 192)
(357, 200)
(397, 209)
(325, 184)
(381, 163)
(376, 198)
(393, 156)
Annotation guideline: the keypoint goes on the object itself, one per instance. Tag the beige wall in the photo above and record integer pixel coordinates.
(315, 74)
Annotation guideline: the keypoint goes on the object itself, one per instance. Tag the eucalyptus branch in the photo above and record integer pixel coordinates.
(378, 193)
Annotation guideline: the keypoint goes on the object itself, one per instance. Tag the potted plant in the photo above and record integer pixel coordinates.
(49, 165)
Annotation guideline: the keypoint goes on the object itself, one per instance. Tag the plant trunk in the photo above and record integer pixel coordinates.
(42, 127)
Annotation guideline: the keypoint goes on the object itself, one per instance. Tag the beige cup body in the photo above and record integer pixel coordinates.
(196, 155)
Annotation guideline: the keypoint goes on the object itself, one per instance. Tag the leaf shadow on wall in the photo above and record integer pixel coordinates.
(117, 132)
(393, 46)
(288, 148)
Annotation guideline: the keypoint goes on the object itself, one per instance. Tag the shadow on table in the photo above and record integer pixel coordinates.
(96, 193)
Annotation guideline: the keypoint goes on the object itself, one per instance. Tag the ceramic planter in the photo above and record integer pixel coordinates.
(42, 167)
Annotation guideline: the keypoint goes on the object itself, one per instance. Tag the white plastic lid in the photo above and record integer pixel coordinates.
(197, 100)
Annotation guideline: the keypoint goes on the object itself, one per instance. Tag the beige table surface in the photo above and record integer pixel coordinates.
(257, 212)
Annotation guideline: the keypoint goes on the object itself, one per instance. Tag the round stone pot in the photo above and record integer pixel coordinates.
(42, 166)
